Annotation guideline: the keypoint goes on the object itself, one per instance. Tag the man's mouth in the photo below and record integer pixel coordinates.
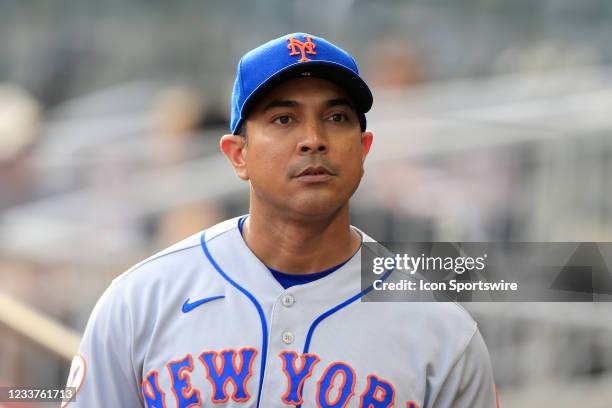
(315, 171)
(315, 174)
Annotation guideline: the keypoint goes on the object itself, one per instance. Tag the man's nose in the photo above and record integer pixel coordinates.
(314, 140)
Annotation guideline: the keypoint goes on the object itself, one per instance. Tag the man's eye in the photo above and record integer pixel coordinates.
(338, 117)
(283, 120)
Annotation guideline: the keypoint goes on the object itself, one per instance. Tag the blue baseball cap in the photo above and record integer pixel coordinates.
(291, 56)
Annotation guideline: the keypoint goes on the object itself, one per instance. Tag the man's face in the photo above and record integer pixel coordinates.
(305, 148)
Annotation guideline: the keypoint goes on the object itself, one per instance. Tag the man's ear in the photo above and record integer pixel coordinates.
(234, 148)
(367, 138)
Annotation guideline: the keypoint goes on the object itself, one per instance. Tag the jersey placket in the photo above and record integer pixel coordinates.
(293, 316)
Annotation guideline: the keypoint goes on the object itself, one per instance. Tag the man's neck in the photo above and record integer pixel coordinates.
(300, 246)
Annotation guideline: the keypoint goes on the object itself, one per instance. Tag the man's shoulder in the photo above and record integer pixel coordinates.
(184, 256)
(444, 317)
(444, 329)
(444, 321)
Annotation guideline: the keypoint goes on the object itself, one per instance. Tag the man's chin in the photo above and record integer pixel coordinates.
(315, 209)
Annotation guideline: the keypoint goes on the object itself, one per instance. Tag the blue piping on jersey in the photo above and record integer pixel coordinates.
(262, 317)
(333, 310)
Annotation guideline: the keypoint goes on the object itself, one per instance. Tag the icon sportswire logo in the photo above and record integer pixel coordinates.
(189, 306)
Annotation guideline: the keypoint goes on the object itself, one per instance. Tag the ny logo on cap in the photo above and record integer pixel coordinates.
(304, 48)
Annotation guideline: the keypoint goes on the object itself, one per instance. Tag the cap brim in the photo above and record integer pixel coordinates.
(348, 80)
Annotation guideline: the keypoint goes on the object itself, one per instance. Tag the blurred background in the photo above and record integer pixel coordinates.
(492, 121)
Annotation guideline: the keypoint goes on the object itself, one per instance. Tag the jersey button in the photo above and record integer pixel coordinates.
(287, 300)
(288, 337)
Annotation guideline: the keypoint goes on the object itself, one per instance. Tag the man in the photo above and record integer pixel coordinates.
(264, 310)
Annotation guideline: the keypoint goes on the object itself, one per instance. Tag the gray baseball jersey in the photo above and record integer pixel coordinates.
(204, 323)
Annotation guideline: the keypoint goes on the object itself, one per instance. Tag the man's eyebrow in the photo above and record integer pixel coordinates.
(288, 103)
(340, 102)
(280, 103)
